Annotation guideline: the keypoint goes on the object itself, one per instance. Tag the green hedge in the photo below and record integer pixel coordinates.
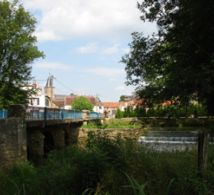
(163, 111)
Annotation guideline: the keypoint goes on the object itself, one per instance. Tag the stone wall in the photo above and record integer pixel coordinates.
(12, 141)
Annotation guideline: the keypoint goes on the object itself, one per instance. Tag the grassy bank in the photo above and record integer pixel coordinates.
(115, 124)
(110, 166)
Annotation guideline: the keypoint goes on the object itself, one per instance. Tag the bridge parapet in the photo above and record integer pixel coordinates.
(43, 113)
(3, 114)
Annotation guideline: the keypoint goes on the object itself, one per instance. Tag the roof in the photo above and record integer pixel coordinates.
(111, 104)
(59, 97)
(59, 103)
(168, 103)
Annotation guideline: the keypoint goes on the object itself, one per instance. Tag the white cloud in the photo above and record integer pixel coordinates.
(87, 49)
(112, 80)
(126, 50)
(91, 48)
(106, 72)
(47, 35)
(71, 18)
(52, 65)
(111, 50)
(120, 88)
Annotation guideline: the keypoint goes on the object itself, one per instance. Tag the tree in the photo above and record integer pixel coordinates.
(81, 103)
(17, 52)
(177, 62)
(122, 98)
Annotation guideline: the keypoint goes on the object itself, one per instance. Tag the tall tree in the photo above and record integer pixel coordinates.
(17, 52)
(178, 61)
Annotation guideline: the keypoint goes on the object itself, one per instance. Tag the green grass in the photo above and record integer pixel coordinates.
(109, 167)
(115, 124)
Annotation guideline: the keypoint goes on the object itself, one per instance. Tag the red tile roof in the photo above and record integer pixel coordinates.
(168, 103)
(110, 104)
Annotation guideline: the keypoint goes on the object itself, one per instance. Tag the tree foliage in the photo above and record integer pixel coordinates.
(17, 52)
(82, 103)
(177, 62)
(122, 98)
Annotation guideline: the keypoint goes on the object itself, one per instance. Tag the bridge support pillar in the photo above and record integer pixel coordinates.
(36, 145)
(58, 135)
(13, 139)
(72, 133)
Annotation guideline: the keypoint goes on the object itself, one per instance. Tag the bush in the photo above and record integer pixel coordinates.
(163, 111)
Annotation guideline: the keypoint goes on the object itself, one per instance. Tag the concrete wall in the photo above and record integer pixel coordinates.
(13, 147)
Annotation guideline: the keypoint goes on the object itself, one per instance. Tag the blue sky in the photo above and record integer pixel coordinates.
(83, 41)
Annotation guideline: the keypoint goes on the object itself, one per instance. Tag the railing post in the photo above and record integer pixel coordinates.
(45, 114)
(62, 114)
(203, 141)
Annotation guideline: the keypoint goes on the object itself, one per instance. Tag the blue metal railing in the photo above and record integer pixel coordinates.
(40, 113)
(72, 114)
(94, 115)
(43, 113)
(35, 113)
(3, 114)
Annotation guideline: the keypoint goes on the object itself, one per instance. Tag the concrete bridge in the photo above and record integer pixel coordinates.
(30, 134)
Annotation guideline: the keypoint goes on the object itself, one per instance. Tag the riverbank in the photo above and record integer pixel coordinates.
(110, 161)
(110, 166)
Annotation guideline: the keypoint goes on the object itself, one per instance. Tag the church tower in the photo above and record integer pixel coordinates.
(49, 90)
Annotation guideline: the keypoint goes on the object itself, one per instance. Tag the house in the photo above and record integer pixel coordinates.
(38, 99)
(110, 109)
(43, 97)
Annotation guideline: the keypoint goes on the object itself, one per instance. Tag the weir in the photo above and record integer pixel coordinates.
(171, 141)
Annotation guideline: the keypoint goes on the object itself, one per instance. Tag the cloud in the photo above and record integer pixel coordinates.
(52, 65)
(120, 88)
(106, 72)
(92, 48)
(71, 18)
(87, 49)
(126, 50)
(47, 35)
(111, 50)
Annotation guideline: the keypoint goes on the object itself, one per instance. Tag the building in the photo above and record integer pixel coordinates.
(38, 99)
(110, 109)
(43, 97)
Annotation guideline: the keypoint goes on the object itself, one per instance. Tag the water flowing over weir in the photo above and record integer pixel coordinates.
(171, 141)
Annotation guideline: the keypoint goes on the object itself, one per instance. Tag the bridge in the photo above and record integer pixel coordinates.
(31, 133)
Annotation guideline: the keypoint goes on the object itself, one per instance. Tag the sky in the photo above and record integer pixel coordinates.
(83, 42)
